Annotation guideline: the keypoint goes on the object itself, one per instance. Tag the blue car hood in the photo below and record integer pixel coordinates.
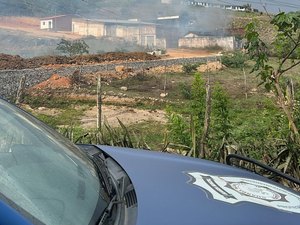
(175, 190)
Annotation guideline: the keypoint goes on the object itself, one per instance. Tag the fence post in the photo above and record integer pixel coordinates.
(20, 91)
(99, 103)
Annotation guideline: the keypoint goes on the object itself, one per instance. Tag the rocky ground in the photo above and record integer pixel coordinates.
(66, 87)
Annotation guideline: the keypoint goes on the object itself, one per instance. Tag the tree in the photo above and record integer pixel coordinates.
(248, 7)
(205, 104)
(178, 126)
(221, 127)
(72, 48)
(286, 47)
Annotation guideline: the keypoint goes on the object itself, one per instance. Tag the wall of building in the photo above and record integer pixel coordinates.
(88, 28)
(161, 43)
(227, 43)
(46, 24)
(144, 35)
(62, 23)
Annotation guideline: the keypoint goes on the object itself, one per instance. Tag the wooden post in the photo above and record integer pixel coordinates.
(20, 90)
(99, 103)
(193, 131)
(245, 83)
(203, 140)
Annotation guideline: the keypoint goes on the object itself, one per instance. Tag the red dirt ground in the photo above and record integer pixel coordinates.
(54, 82)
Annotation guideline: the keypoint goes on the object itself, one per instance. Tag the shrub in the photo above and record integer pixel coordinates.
(190, 68)
(185, 90)
(72, 48)
(234, 60)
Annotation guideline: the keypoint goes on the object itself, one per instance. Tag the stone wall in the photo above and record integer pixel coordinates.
(9, 79)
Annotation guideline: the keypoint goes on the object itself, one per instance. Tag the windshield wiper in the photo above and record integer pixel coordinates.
(113, 187)
(103, 173)
(107, 212)
(239, 161)
(113, 183)
(99, 161)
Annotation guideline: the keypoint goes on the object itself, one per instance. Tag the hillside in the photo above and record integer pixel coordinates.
(240, 20)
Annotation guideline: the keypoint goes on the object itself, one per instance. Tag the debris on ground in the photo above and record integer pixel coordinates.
(54, 82)
(10, 62)
(210, 67)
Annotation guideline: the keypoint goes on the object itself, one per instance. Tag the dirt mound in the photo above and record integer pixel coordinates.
(54, 82)
(9, 62)
(210, 66)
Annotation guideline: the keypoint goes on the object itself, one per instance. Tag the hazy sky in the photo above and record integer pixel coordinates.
(271, 5)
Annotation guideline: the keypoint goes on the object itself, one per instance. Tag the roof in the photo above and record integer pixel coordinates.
(59, 16)
(53, 17)
(132, 22)
(168, 18)
(198, 33)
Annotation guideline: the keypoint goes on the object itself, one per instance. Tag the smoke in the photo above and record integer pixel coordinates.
(19, 43)
(191, 18)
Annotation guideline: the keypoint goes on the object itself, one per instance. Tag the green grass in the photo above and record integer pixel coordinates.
(151, 132)
(254, 120)
(56, 102)
(68, 117)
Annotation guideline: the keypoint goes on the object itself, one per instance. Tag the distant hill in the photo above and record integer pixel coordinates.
(267, 31)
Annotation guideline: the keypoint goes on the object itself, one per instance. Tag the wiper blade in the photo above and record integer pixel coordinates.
(238, 161)
(103, 172)
(106, 214)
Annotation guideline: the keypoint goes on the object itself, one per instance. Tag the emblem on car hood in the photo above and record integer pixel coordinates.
(239, 189)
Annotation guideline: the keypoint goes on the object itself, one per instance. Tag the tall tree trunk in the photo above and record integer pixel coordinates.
(203, 141)
(287, 111)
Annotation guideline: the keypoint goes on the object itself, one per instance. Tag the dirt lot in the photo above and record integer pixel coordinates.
(31, 26)
(125, 114)
(188, 53)
(111, 113)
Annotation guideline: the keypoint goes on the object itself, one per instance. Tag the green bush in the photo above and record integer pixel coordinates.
(71, 48)
(234, 60)
(185, 90)
(178, 127)
(190, 68)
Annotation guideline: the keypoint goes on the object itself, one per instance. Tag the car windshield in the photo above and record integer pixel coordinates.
(43, 175)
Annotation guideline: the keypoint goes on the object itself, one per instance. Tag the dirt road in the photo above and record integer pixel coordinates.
(173, 53)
